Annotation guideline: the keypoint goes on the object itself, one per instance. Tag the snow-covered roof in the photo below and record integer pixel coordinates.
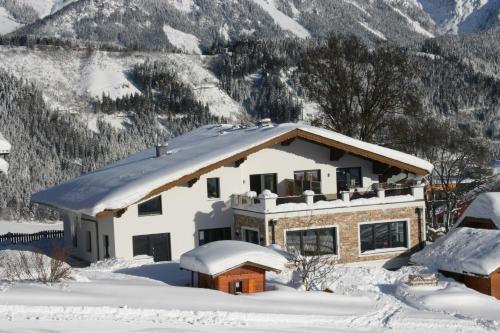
(4, 145)
(130, 180)
(485, 206)
(218, 257)
(464, 251)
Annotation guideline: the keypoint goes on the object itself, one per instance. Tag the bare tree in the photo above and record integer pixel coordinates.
(35, 266)
(360, 91)
(460, 161)
(313, 265)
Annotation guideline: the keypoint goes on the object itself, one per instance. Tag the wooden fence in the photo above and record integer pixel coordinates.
(15, 238)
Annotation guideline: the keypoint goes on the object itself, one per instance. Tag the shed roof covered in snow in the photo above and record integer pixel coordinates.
(463, 251)
(485, 206)
(207, 148)
(218, 257)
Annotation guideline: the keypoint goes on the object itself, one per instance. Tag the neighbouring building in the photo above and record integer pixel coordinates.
(302, 187)
(232, 266)
(469, 255)
(5, 148)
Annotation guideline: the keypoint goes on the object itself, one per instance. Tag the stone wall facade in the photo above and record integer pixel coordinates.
(251, 223)
(347, 225)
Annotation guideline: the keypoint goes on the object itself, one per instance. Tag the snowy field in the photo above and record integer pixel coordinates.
(142, 296)
(27, 227)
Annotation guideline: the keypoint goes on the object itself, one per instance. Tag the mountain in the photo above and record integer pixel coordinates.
(462, 16)
(156, 24)
(16, 13)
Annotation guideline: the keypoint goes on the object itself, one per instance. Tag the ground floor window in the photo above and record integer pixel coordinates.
(106, 246)
(212, 235)
(250, 236)
(89, 241)
(155, 245)
(385, 235)
(321, 241)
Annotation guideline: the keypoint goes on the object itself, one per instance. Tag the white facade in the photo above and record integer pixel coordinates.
(187, 210)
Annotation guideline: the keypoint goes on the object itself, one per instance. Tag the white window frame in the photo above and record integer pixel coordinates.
(337, 237)
(389, 250)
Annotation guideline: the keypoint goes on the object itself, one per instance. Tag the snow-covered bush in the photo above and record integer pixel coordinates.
(313, 270)
(34, 266)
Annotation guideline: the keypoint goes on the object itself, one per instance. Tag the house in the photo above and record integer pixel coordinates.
(469, 255)
(4, 152)
(294, 185)
(232, 266)
(482, 213)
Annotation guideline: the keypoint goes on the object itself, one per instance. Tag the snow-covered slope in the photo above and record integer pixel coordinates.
(16, 13)
(7, 22)
(139, 23)
(458, 16)
(69, 80)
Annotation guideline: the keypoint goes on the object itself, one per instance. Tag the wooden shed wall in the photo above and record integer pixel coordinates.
(253, 278)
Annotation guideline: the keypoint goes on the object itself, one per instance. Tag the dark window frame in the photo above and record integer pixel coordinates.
(373, 235)
(217, 185)
(304, 172)
(360, 184)
(107, 246)
(150, 212)
(301, 233)
(88, 241)
(213, 230)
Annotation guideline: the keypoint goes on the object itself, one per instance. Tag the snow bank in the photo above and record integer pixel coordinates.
(4, 145)
(485, 206)
(4, 166)
(463, 250)
(185, 42)
(127, 181)
(217, 257)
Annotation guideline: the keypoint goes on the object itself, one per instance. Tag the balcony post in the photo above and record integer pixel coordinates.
(308, 197)
(381, 193)
(418, 191)
(268, 199)
(346, 196)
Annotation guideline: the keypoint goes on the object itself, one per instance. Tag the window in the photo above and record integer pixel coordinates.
(213, 188)
(212, 235)
(150, 207)
(89, 241)
(106, 246)
(312, 241)
(259, 183)
(250, 236)
(309, 180)
(348, 178)
(384, 235)
(74, 235)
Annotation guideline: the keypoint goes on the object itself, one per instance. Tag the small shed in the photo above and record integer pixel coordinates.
(483, 212)
(469, 255)
(232, 266)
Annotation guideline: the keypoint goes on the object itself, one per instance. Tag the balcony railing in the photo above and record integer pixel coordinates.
(270, 202)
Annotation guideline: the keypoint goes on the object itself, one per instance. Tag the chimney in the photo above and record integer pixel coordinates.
(265, 122)
(161, 149)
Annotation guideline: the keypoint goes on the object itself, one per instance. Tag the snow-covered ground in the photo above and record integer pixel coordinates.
(121, 296)
(28, 227)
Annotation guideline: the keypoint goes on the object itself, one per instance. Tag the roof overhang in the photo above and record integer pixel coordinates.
(296, 133)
